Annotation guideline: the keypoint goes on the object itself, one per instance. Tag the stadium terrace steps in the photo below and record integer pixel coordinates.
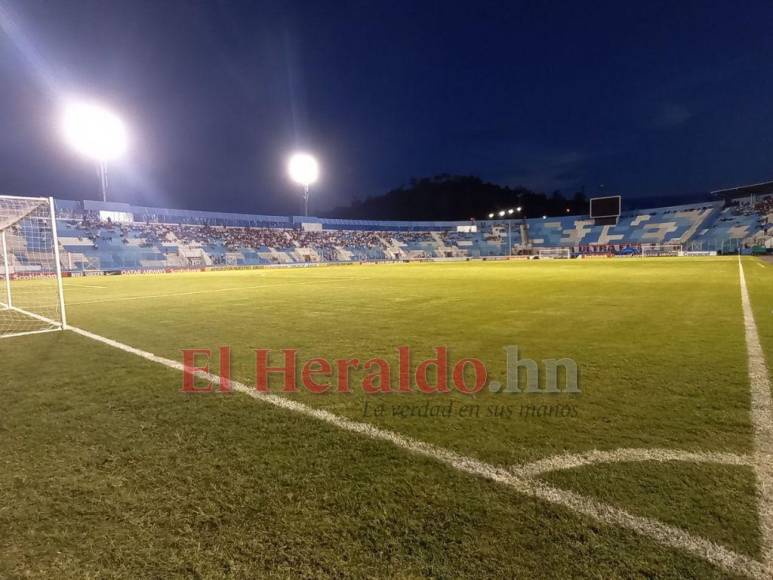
(675, 224)
(218, 239)
(731, 224)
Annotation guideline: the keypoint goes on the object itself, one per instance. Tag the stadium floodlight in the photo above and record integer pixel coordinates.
(96, 133)
(303, 170)
(518, 209)
(491, 216)
(510, 211)
(502, 213)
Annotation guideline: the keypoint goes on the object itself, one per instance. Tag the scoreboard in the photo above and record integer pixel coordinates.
(605, 207)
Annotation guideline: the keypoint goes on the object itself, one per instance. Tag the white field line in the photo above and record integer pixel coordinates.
(194, 292)
(664, 534)
(760, 264)
(594, 457)
(35, 316)
(28, 332)
(76, 286)
(762, 421)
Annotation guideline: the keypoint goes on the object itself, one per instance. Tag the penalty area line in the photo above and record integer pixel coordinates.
(76, 286)
(661, 533)
(627, 455)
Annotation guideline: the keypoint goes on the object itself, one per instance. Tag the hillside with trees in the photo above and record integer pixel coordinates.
(458, 197)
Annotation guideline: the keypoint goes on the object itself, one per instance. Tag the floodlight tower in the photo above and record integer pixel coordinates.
(96, 133)
(303, 170)
(510, 213)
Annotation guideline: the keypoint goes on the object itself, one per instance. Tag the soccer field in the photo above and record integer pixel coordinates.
(110, 471)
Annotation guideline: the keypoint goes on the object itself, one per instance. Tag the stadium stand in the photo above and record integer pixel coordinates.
(667, 225)
(737, 225)
(98, 245)
(100, 236)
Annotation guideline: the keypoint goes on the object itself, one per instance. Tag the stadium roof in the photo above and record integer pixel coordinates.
(744, 190)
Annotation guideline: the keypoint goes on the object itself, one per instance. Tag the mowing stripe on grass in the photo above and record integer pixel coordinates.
(662, 533)
(170, 295)
(762, 421)
(194, 292)
(573, 460)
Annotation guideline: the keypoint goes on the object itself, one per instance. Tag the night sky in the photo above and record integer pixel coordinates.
(647, 98)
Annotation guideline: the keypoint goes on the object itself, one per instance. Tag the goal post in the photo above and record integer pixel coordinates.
(554, 253)
(31, 292)
(661, 250)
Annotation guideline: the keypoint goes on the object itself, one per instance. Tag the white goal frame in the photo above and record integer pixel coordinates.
(44, 211)
(661, 250)
(554, 253)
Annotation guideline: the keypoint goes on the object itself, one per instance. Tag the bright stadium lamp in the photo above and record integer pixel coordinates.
(491, 216)
(510, 211)
(518, 209)
(96, 133)
(303, 170)
(502, 213)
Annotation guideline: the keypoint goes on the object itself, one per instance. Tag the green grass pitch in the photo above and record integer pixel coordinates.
(108, 471)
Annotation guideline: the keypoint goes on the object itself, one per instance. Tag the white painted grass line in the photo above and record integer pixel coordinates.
(53, 323)
(29, 332)
(76, 286)
(762, 421)
(594, 457)
(760, 264)
(664, 534)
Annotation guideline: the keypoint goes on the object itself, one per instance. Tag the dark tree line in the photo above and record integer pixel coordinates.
(456, 197)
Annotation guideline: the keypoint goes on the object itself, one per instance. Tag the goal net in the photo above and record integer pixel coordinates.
(554, 253)
(654, 250)
(31, 299)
